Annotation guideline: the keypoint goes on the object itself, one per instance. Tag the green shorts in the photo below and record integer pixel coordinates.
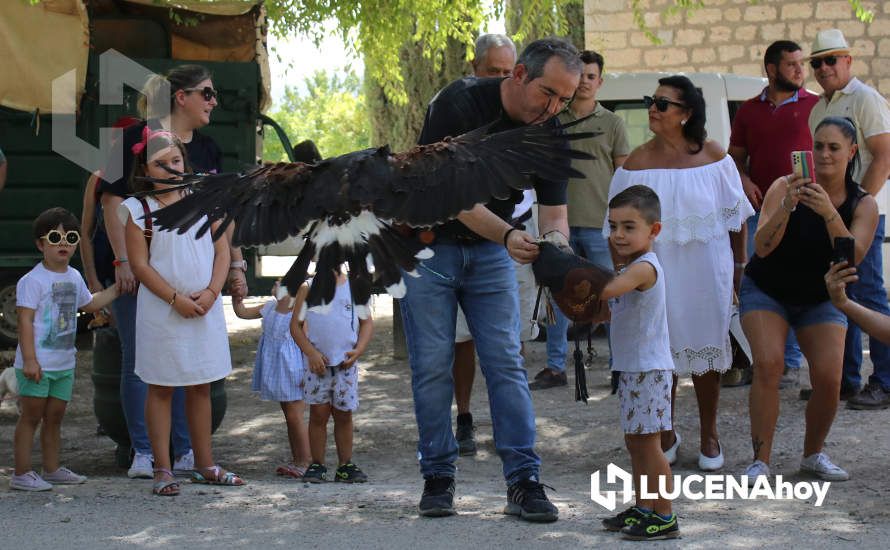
(53, 383)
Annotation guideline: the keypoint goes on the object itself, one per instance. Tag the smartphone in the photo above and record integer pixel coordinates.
(844, 251)
(802, 164)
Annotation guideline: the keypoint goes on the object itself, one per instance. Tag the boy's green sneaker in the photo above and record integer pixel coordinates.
(652, 527)
(350, 473)
(316, 473)
(631, 516)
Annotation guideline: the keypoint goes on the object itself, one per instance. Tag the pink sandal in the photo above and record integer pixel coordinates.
(290, 470)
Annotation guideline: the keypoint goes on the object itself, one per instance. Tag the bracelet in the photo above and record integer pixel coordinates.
(118, 261)
(740, 265)
(507, 234)
(240, 265)
(215, 293)
(831, 219)
(785, 208)
(173, 299)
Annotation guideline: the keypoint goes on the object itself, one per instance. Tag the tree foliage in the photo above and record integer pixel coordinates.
(378, 31)
(331, 111)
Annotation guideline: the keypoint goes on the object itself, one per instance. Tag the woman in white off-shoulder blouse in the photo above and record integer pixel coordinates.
(701, 246)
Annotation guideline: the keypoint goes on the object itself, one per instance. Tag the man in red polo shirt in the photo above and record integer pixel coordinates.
(766, 129)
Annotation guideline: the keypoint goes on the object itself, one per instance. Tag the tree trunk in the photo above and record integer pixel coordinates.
(400, 125)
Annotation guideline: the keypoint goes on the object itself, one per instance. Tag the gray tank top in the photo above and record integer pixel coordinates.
(639, 332)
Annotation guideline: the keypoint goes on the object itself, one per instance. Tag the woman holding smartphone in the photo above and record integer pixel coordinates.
(783, 288)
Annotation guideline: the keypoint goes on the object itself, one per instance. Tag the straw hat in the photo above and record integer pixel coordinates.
(830, 42)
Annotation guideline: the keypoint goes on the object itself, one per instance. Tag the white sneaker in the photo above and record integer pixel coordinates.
(758, 468)
(141, 468)
(821, 466)
(711, 463)
(64, 476)
(29, 481)
(671, 454)
(184, 465)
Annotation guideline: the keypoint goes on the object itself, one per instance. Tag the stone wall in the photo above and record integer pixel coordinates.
(731, 35)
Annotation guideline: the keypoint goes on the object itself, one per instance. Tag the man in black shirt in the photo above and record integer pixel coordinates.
(472, 267)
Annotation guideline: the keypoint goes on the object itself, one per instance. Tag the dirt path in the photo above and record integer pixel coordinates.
(574, 440)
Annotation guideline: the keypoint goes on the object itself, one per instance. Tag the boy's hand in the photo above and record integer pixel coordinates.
(836, 281)
(317, 361)
(351, 357)
(32, 371)
(187, 307)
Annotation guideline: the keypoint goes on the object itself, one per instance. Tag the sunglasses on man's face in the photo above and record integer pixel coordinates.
(661, 103)
(830, 60)
(208, 92)
(56, 237)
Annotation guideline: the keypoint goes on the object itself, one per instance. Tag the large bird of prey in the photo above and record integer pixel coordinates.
(345, 206)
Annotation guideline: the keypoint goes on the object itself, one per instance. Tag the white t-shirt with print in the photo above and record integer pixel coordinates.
(55, 297)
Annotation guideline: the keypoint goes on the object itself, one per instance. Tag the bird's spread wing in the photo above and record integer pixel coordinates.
(344, 205)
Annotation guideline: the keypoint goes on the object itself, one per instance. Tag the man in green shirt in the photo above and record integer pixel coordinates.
(587, 198)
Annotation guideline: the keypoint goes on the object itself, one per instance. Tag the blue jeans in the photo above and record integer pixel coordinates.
(480, 277)
(868, 291)
(588, 242)
(134, 390)
(793, 356)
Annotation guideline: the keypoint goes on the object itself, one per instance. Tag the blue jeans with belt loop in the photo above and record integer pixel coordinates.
(479, 276)
(868, 291)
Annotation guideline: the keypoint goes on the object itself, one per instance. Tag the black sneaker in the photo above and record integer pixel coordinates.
(438, 497)
(466, 435)
(652, 527)
(629, 517)
(316, 473)
(549, 379)
(349, 473)
(872, 397)
(527, 500)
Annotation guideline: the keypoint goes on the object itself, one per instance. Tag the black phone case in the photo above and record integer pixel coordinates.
(844, 251)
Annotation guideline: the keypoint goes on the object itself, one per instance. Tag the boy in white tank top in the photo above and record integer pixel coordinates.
(331, 342)
(641, 355)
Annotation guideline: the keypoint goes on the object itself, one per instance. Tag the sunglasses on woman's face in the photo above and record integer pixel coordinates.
(830, 60)
(661, 103)
(57, 238)
(208, 92)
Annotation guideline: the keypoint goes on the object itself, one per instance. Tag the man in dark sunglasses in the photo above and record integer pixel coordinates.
(846, 96)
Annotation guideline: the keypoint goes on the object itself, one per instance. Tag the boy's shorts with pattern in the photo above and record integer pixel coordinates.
(338, 386)
(53, 383)
(645, 401)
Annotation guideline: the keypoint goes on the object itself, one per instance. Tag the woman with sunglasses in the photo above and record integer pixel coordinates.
(783, 288)
(703, 213)
(180, 101)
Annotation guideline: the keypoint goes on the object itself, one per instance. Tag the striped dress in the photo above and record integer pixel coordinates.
(278, 370)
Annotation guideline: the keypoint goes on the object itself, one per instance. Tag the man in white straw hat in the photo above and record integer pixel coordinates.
(845, 95)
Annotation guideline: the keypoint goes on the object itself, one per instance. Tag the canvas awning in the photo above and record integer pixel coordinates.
(227, 30)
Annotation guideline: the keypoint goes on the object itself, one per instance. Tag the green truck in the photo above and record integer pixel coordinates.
(155, 36)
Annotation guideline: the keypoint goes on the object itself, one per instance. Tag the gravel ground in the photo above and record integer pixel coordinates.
(574, 441)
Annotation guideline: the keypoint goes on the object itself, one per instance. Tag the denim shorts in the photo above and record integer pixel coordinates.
(751, 298)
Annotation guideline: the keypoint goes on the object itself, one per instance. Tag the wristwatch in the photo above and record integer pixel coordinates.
(239, 264)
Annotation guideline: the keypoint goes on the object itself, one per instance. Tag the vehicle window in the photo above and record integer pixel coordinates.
(636, 120)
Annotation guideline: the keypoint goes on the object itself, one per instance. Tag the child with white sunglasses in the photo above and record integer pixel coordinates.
(47, 300)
